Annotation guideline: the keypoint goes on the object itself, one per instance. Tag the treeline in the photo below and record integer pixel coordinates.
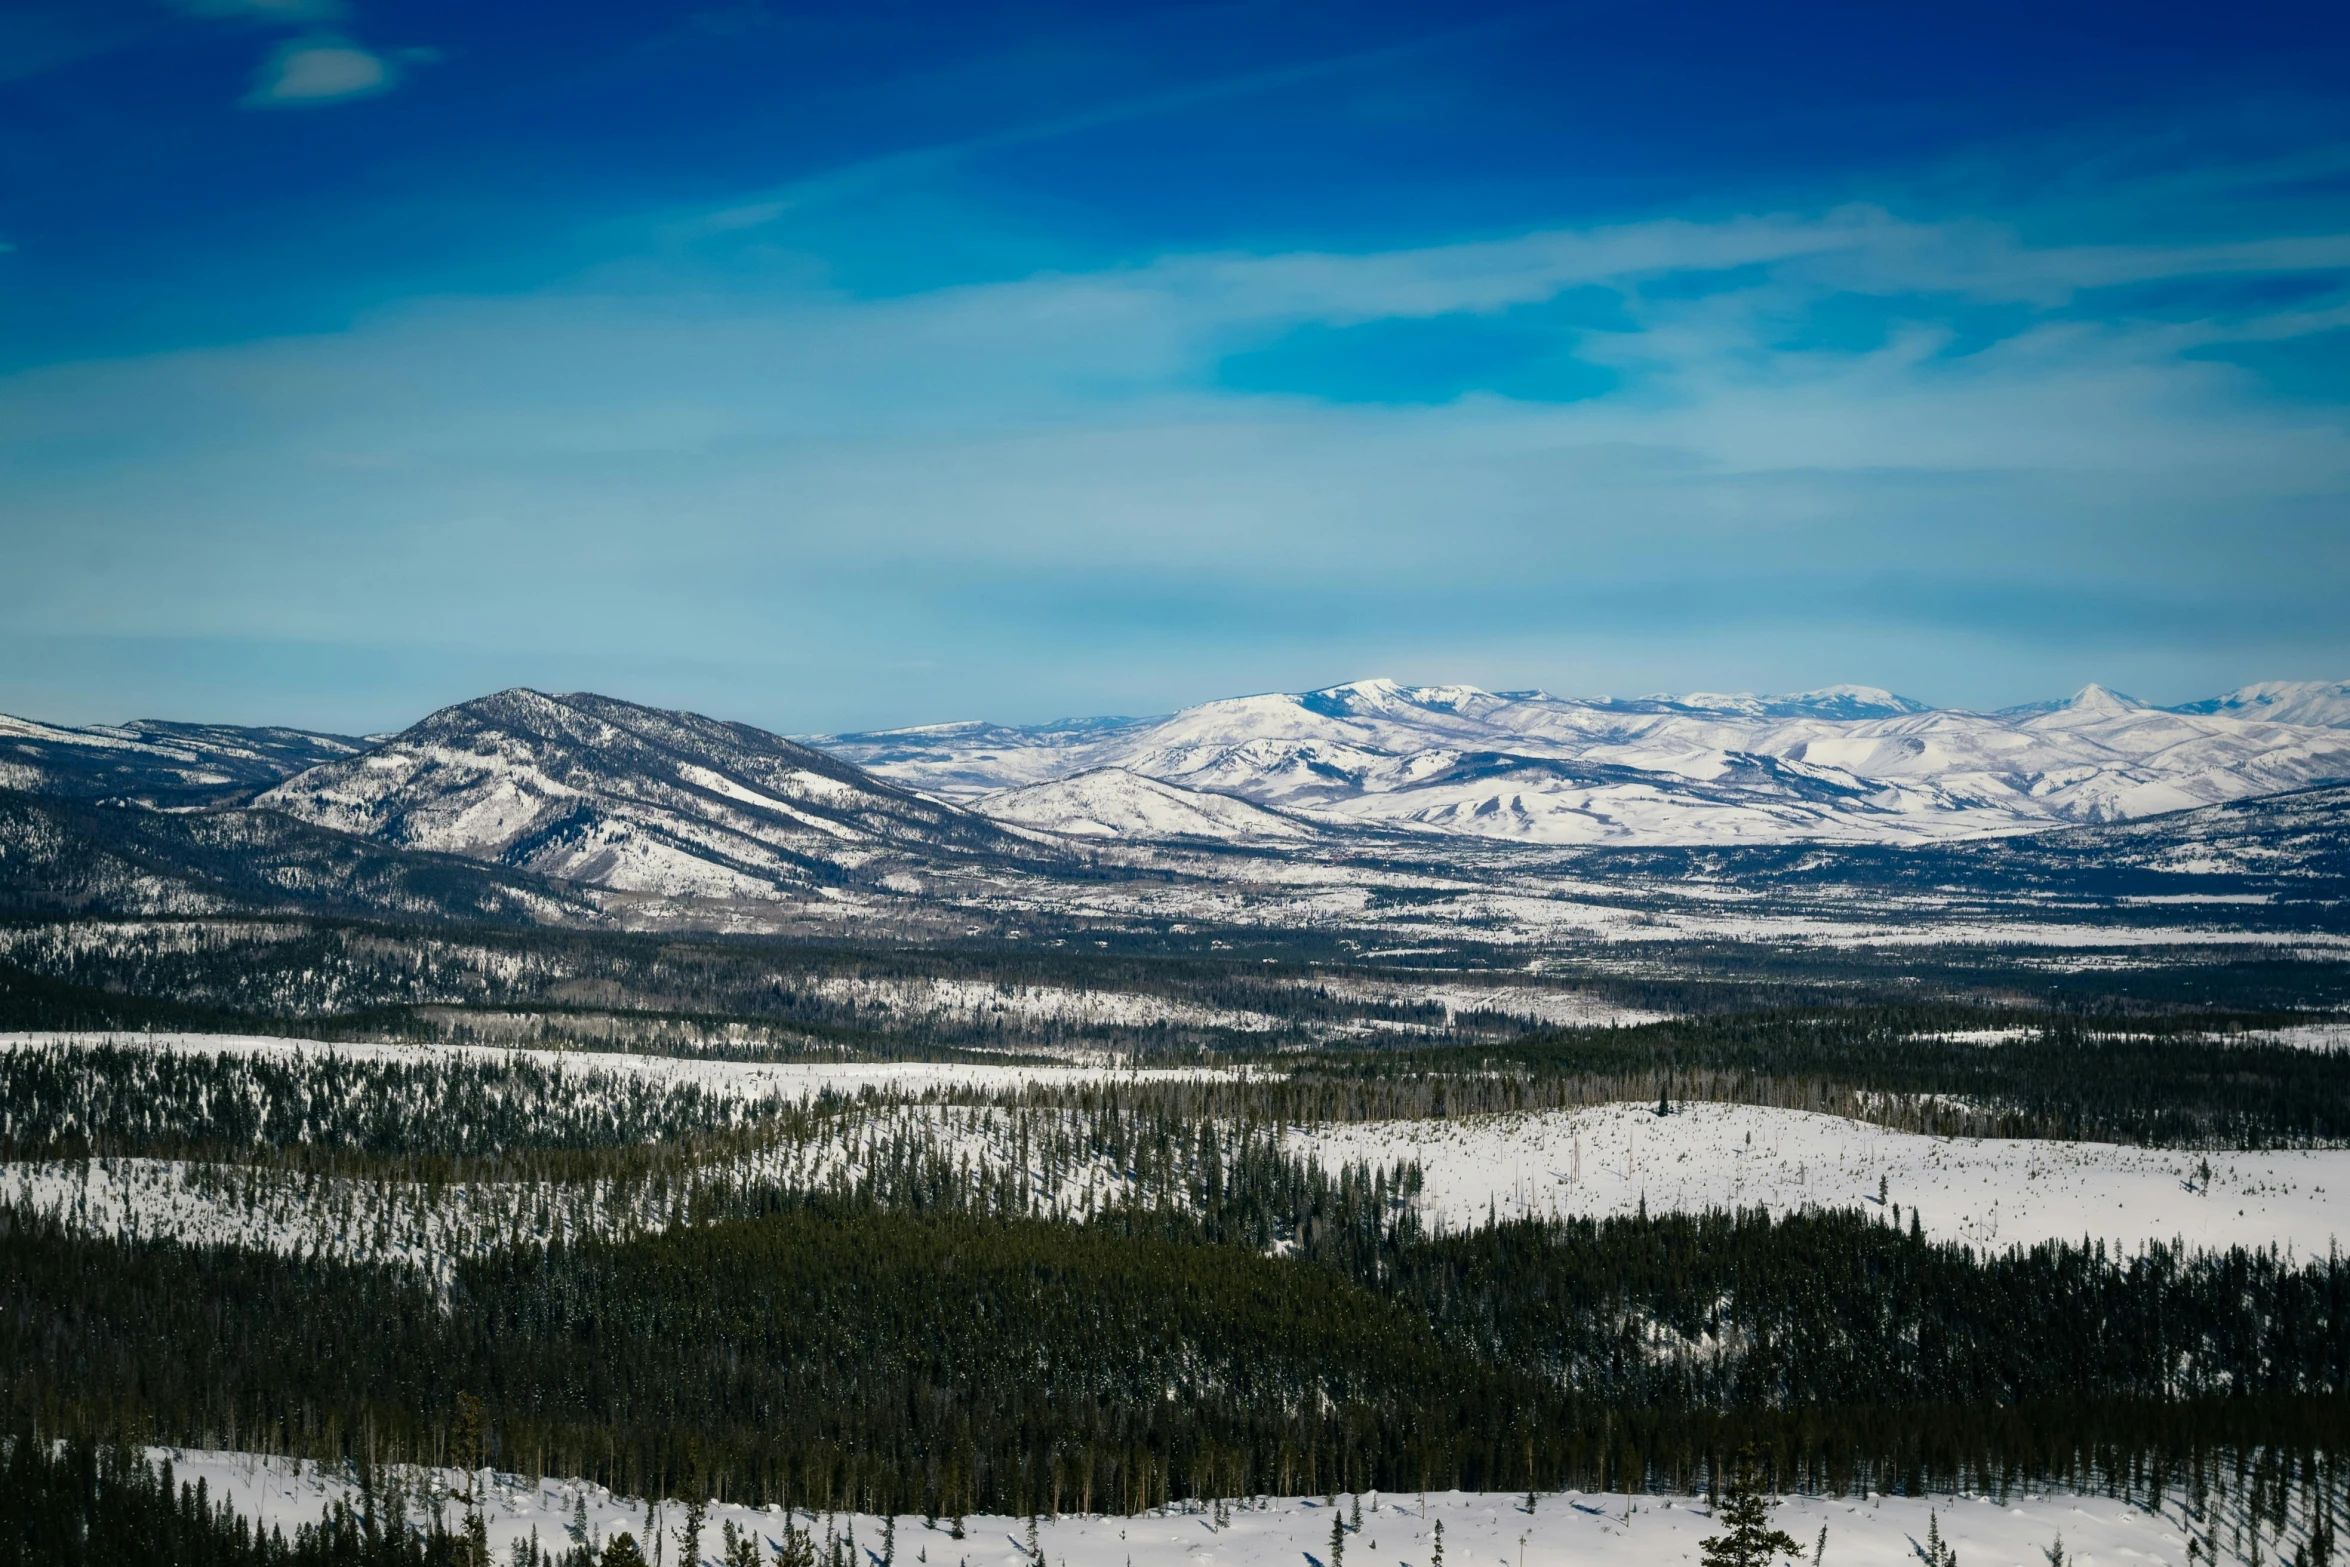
(835, 1355)
(75, 1099)
(2162, 1081)
(77, 1504)
(324, 971)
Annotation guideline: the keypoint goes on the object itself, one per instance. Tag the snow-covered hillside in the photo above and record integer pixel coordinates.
(1111, 802)
(1850, 764)
(636, 799)
(2325, 703)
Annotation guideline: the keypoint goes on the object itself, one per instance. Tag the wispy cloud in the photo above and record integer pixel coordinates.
(309, 71)
(916, 163)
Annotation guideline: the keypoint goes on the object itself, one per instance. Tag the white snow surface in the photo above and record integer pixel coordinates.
(1111, 802)
(748, 1079)
(1991, 1192)
(1602, 1160)
(2305, 1036)
(1845, 764)
(1566, 1529)
(2322, 702)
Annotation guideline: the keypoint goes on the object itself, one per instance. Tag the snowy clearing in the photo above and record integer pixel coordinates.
(2301, 1036)
(1567, 1529)
(1610, 1159)
(790, 1080)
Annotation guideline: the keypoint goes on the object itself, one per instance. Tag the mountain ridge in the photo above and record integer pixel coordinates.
(596, 790)
(1841, 763)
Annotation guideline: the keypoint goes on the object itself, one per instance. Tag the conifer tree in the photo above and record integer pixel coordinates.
(1747, 1539)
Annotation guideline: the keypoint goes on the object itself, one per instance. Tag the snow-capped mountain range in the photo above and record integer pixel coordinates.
(1847, 763)
(650, 804)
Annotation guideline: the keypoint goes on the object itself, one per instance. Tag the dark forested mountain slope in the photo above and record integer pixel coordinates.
(642, 800)
(71, 856)
(171, 766)
(2290, 847)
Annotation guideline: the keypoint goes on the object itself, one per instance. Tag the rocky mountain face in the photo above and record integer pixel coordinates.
(1847, 764)
(162, 765)
(633, 799)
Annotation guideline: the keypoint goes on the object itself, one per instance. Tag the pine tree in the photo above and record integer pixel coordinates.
(740, 1547)
(1436, 1558)
(1337, 1539)
(1747, 1540)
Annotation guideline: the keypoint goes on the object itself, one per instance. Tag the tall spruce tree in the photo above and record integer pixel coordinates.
(1747, 1538)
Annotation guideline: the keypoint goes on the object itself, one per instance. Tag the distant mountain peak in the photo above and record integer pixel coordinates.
(2094, 698)
(2323, 704)
(593, 789)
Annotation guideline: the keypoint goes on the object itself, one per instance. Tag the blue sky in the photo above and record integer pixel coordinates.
(845, 366)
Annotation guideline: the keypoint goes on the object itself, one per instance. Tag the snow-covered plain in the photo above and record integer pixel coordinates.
(1569, 1529)
(1987, 1192)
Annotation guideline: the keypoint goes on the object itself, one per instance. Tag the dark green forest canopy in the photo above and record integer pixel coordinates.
(839, 1356)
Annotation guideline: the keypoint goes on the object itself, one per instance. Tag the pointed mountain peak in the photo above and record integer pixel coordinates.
(2094, 698)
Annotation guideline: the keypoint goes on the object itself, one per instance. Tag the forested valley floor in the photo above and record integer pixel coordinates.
(938, 1234)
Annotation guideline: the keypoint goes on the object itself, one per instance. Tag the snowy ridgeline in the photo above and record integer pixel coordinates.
(1480, 1530)
(1989, 1192)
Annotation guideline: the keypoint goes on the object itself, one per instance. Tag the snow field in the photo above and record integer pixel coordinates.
(433, 1227)
(1995, 1192)
(1592, 1162)
(789, 1080)
(1570, 1529)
